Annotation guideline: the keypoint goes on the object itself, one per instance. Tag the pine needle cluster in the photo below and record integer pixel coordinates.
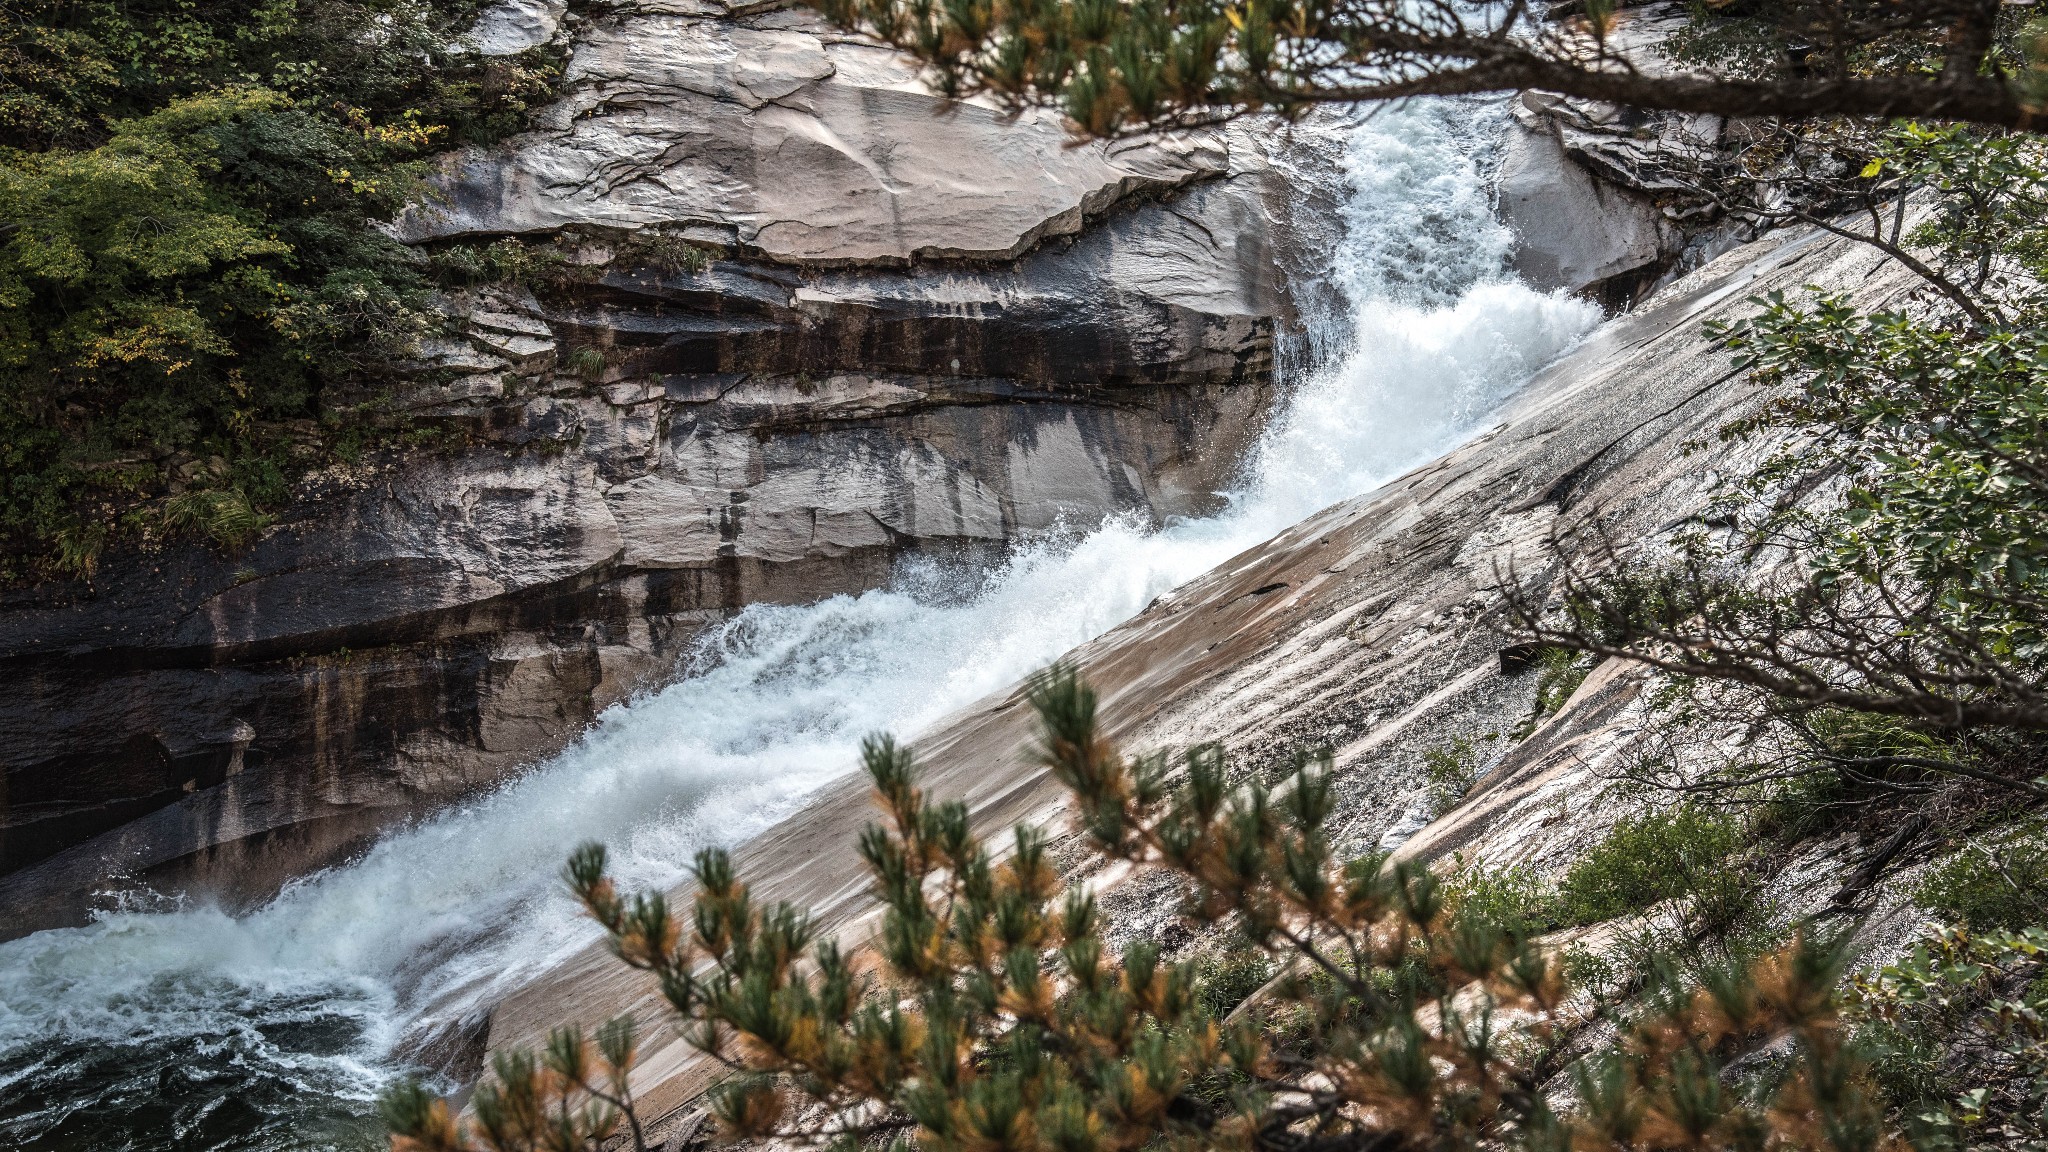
(1117, 66)
(573, 1095)
(990, 1014)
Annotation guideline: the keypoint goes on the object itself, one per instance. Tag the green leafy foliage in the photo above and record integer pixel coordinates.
(1517, 899)
(190, 267)
(1450, 768)
(1956, 1037)
(1224, 982)
(1685, 852)
(1848, 761)
(1992, 883)
(1559, 672)
(1910, 484)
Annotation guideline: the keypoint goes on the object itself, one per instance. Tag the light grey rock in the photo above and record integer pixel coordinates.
(449, 354)
(510, 27)
(796, 144)
(1573, 231)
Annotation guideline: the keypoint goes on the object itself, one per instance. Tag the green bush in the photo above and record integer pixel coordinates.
(2000, 885)
(1226, 981)
(1951, 1045)
(1683, 852)
(190, 263)
(1521, 902)
(1821, 801)
(1559, 672)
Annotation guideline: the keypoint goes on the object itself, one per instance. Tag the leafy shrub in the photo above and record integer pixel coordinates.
(1878, 750)
(1559, 672)
(1521, 902)
(1683, 852)
(1226, 981)
(1999, 885)
(505, 261)
(1450, 769)
(1907, 477)
(1957, 1037)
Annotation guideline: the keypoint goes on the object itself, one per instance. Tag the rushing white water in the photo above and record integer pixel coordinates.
(449, 911)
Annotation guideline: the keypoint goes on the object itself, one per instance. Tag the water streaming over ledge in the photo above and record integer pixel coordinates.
(275, 1029)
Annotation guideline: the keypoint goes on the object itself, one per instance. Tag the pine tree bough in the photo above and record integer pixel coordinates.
(989, 1015)
(1161, 64)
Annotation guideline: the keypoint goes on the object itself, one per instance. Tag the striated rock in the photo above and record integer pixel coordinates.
(421, 634)
(771, 131)
(1363, 629)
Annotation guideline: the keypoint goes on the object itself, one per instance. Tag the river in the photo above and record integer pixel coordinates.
(190, 1028)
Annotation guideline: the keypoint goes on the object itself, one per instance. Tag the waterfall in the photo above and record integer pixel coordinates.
(196, 1028)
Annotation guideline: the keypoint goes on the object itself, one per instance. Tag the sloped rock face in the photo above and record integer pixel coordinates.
(828, 383)
(1364, 629)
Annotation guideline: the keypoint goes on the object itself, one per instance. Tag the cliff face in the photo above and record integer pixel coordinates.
(1362, 629)
(889, 327)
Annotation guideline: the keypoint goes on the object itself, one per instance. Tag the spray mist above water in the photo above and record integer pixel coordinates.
(196, 1028)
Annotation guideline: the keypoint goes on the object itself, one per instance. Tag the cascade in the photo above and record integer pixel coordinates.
(190, 1027)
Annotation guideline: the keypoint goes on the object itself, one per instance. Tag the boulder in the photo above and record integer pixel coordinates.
(510, 27)
(1572, 230)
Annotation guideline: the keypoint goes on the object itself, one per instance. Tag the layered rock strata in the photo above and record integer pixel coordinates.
(1604, 199)
(1364, 630)
(810, 319)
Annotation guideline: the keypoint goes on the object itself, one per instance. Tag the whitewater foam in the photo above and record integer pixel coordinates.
(454, 910)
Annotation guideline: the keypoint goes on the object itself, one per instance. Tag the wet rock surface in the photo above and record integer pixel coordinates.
(1363, 629)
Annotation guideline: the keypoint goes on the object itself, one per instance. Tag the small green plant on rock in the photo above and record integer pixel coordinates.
(1687, 852)
(1451, 768)
(224, 516)
(587, 362)
(1227, 980)
(1559, 672)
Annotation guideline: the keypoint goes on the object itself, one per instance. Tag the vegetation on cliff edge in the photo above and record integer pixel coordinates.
(192, 279)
